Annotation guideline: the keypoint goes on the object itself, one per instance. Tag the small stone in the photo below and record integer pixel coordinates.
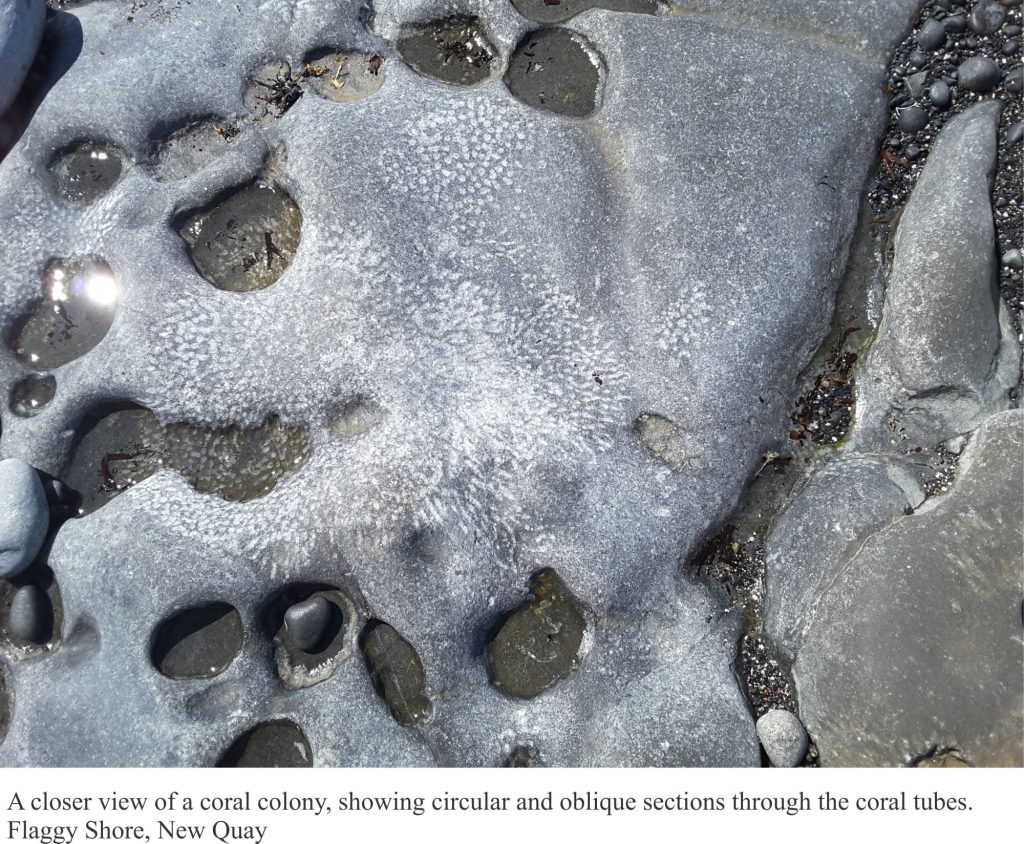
(24, 515)
(398, 674)
(1015, 133)
(955, 23)
(783, 738)
(1014, 82)
(987, 16)
(1010, 47)
(199, 642)
(1011, 31)
(557, 70)
(1013, 259)
(917, 58)
(916, 83)
(79, 302)
(272, 744)
(912, 119)
(315, 634)
(940, 94)
(539, 644)
(931, 35)
(912, 152)
(30, 616)
(979, 74)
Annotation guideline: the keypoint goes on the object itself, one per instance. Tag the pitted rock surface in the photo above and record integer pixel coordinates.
(509, 290)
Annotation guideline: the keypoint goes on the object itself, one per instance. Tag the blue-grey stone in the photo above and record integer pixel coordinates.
(21, 28)
(24, 515)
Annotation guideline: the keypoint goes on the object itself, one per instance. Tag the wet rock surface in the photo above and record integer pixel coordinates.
(540, 642)
(75, 313)
(455, 50)
(397, 673)
(120, 448)
(546, 11)
(198, 642)
(274, 744)
(189, 148)
(86, 172)
(245, 241)
(557, 70)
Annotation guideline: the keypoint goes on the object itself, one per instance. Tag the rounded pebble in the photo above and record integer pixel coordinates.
(940, 94)
(979, 74)
(86, 172)
(1014, 82)
(931, 35)
(987, 16)
(557, 70)
(1015, 133)
(30, 616)
(1013, 259)
(954, 23)
(783, 738)
(913, 119)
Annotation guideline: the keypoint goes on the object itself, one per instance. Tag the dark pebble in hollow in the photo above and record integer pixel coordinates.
(198, 642)
(30, 616)
(1010, 47)
(913, 119)
(272, 744)
(931, 35)
(557, 70)
(539, 644)
(397, 673)
(1015, 134)
(979, 74)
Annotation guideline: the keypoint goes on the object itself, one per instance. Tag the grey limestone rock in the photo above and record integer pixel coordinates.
(24, 515)
(914, 642)
(945, 353)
